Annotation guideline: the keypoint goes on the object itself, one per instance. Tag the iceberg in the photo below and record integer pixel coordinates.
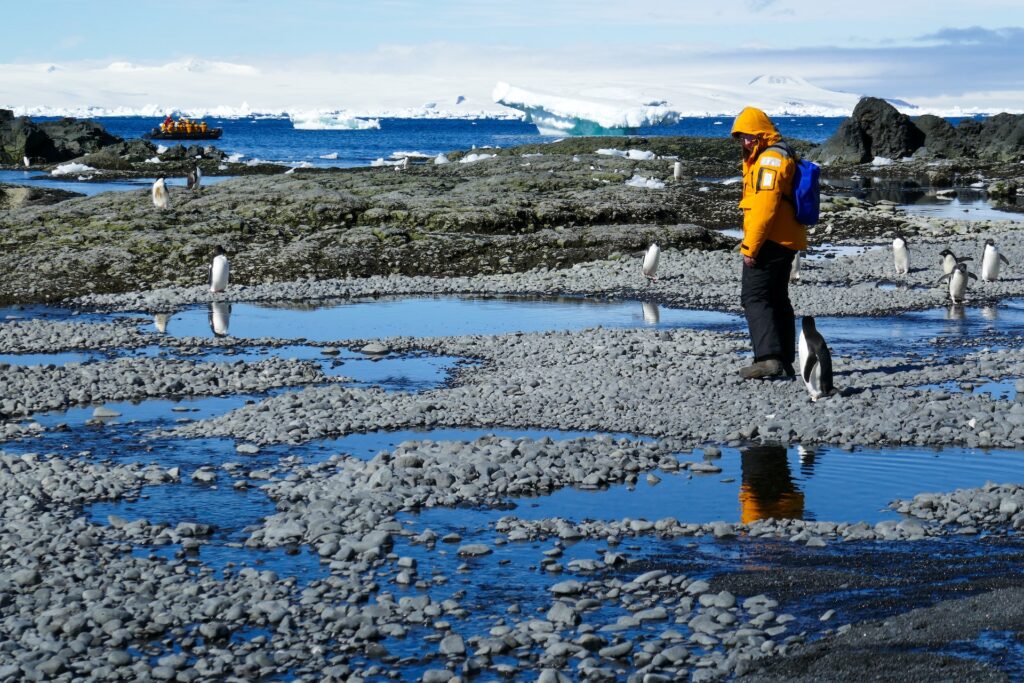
(70, 168)
(648, 183)
(602, 111)
(320, 120)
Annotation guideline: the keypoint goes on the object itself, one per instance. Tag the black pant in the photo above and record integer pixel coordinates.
(765, 298)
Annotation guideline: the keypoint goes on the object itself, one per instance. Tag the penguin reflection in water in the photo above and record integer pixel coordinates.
(815, 361)
(958, 282)
(219, 270)
(160, 321)
(220, 318)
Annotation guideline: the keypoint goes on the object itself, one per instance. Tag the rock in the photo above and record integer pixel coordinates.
(474, 550)
(875, 129)
(452, 645)
(375, 349)
(247, 449)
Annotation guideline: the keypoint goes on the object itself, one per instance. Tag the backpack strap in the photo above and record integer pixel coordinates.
(787, 151)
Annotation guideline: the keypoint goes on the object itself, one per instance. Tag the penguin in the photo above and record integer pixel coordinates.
(25, 161)
(949, 261)
(958, 282)
(794, 270)
(219, 271)
(194, 178)
(901, 255)
(220, 318)
(160, 321)
(651, 313)
(651, 259)
(161, 198)
(990, 262)
(815, 361)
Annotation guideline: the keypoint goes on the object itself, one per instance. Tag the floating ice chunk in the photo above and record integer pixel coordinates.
(881, 161)
(160, 149)
(330, 120)
(649, 183)
(381, 161)
(411, 156)
(69, 168)
(332, 155)
(236, 157)
(470, 158)
(592, 112)
(441, 159)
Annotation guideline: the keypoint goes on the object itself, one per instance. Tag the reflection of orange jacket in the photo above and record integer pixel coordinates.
(767, 177)
(754, 506)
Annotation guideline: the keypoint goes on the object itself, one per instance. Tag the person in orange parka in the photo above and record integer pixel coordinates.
(771, 238)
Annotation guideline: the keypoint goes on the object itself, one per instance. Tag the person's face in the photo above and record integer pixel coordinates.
(747, 141)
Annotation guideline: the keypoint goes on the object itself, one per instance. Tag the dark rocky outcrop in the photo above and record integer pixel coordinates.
(15, 196)
(877, 129)
(49, 141)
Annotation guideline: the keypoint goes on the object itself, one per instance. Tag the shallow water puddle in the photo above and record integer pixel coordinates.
(771, 481)
(438, 317)
(73, 183)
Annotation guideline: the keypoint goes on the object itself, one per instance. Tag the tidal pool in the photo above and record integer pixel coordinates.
(88, 187)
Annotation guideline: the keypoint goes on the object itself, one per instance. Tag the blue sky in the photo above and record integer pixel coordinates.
(907, 49)
(258, 30)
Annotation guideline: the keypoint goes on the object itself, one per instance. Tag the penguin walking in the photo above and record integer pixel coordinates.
(219, 271)
(220, 318)
(194, 178)
(794, 270)
(901, 255)
(958, 282)
(815, 361)
(990, 262)
(651, 258)
(949, 261)
(161, 198)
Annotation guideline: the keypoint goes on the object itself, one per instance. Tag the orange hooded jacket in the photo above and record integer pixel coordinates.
(767, 177)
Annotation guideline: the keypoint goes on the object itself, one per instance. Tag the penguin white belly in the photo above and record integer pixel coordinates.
(803, 351)
(901, 258)
(990, 265)
(813, 382)
(219, 274)
(957, 286)
(651, 259)
(948, 264)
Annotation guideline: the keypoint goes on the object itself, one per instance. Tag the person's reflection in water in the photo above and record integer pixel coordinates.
(220, 318)
(768, 489)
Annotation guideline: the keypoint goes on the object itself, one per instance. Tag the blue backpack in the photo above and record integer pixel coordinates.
(806, 194)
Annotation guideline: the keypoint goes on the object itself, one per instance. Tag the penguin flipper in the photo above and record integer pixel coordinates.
(1004, 259)
(972, 276)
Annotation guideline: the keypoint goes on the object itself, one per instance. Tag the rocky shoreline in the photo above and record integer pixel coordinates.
(81, 600)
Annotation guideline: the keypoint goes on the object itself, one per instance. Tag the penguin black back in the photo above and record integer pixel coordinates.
(815, 361)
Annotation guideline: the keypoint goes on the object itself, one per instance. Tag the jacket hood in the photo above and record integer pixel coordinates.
(753, 121)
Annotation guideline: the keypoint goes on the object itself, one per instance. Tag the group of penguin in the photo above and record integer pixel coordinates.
(162, 198)
(954, 269)
(814, 357)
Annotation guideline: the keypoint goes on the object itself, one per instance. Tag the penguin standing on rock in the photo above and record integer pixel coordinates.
(651, 258)
(815, 361)
(990, 262)
(161, 198)
(194, 178)
(794, 270)
(901, 255)
(958, 282)
(219, 271)
(949, 261)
